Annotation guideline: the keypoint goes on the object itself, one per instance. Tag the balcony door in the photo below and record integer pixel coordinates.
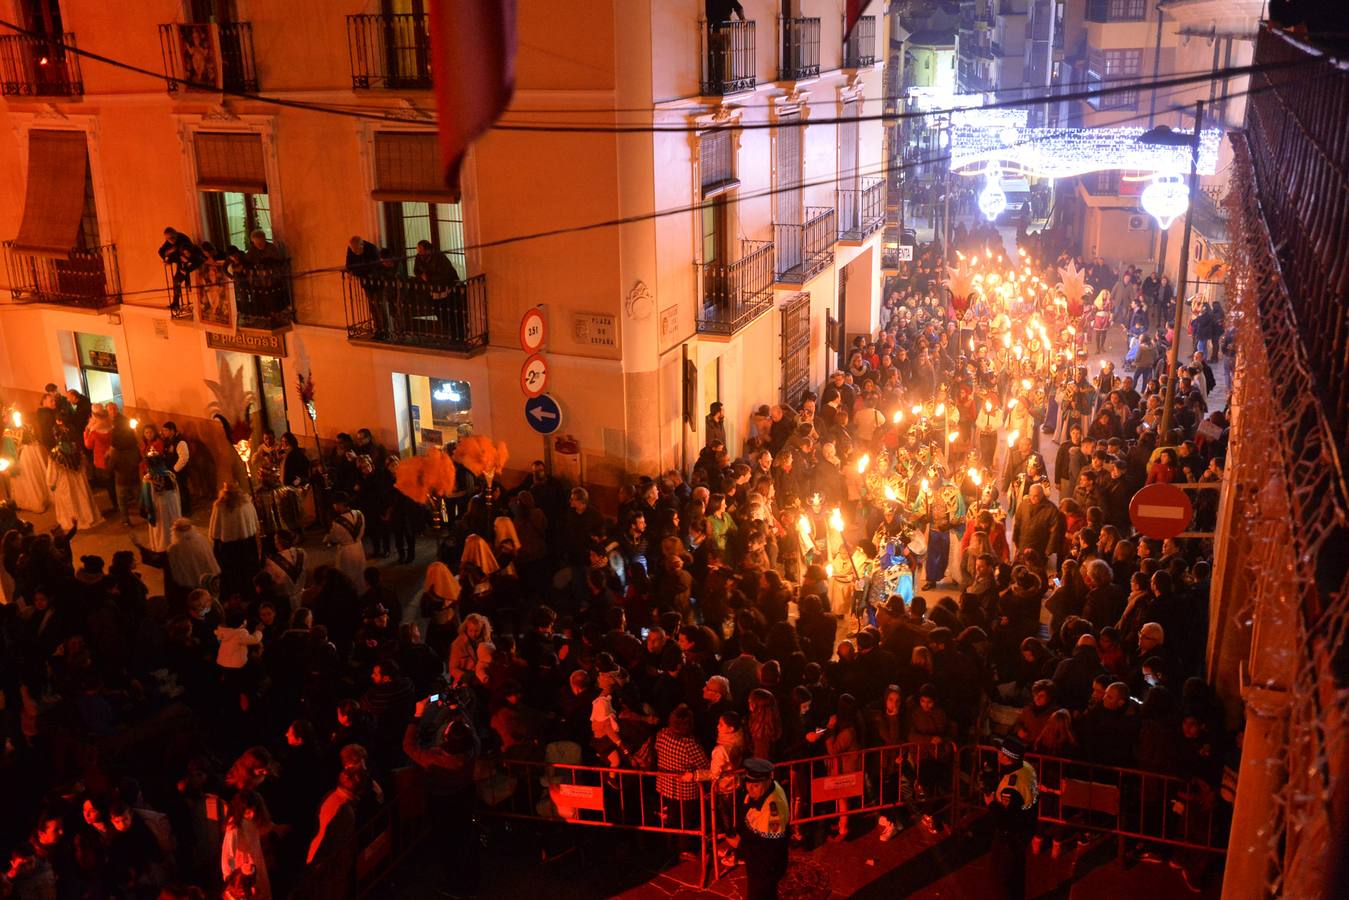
(408, 221)
(406, 44)
(46, 67)
(221, 13)
(715, 220)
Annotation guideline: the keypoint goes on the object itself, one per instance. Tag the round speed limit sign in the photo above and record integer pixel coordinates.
(534, 376)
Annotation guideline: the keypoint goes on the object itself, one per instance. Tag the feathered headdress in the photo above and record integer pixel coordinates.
(1073, 284)
(480, 456)
(421, 476)
(960, 282)
(233, 404)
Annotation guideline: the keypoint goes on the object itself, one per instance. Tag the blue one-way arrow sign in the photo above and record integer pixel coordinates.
(543, 414)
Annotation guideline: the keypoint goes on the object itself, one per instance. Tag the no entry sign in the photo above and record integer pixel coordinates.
(1161, 511)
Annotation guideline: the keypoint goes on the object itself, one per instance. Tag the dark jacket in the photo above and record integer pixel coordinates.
(1037, 525)
(1074, 675)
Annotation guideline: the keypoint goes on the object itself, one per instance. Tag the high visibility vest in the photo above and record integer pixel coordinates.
(770, 816)
(1023, 782)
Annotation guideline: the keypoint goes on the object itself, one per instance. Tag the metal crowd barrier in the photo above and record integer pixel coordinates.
(1131, 804)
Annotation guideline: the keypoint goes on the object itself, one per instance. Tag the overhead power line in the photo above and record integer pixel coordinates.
(881, 170)
(1106, 89)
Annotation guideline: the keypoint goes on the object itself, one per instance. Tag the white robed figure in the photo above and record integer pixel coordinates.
(74, 500)
(346, 534)
(159, 496)
(28, 479)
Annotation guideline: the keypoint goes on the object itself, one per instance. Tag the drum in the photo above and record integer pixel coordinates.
(918, 543)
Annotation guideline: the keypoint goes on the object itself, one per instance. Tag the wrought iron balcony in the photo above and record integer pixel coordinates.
(859, 51)
(38, 67)
(736, 294)
(804, 251)
(800, 49)
(390, 51)
(394, 309)
(87, 279)
(728, 58)
(260, 296)
(861, 212)
(208, 56)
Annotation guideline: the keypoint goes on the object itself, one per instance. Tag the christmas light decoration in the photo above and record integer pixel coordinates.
(1166, 198)
(992, 199)
(1065, 152)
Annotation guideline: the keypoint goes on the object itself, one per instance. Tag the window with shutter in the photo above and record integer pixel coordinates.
(716, 159)
(230, 161)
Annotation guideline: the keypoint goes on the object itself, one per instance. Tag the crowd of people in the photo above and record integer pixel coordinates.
(892, 559)
(201, 274)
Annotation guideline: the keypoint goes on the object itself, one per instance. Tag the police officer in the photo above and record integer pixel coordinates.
(761, 840)
(1012, 805)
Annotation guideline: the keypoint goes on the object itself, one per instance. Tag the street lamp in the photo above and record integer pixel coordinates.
(1166, 199)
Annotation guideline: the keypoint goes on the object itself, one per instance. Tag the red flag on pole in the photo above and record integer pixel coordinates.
(852, 13)
(473, 68)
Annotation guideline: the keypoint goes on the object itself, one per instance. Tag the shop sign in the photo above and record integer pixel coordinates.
(257, 342)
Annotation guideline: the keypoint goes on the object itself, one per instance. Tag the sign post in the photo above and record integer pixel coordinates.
(1161, 511)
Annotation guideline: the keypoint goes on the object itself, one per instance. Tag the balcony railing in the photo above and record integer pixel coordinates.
(804, 251)
(800, 49)
(735, 295)
(208, 56)
(861, 212)
(38, 67)
(859, 51)
(390, 51)
(728, 58)
(261, 296)
(393, 309)
(87, 279)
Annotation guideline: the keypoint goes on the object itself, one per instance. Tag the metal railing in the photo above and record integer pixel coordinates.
(262, 295)
(83, 278)
(728, 58)
(390, 51)
(803, 251)
(1299, 150)
(39, 67)
(258, 298)
(736, 294)
(919, 776)
(208, 56)
(394, 309)
(861, 212)
(859, 51)
(800, 49)
(1131, 804)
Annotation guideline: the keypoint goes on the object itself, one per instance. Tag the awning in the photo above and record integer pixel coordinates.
(58, 165)
(230, 161)
(407, 167)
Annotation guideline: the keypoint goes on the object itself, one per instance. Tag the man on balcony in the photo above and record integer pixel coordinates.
(719, 39)
(264, 293)
(363, 265)
(433, 269)
(184, 256)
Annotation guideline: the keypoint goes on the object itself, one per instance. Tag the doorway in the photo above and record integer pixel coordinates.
(96, 356)
(430, 412)
(266, 378)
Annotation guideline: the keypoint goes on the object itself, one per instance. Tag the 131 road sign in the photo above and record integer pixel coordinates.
(543, 414)
(1161, 511)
